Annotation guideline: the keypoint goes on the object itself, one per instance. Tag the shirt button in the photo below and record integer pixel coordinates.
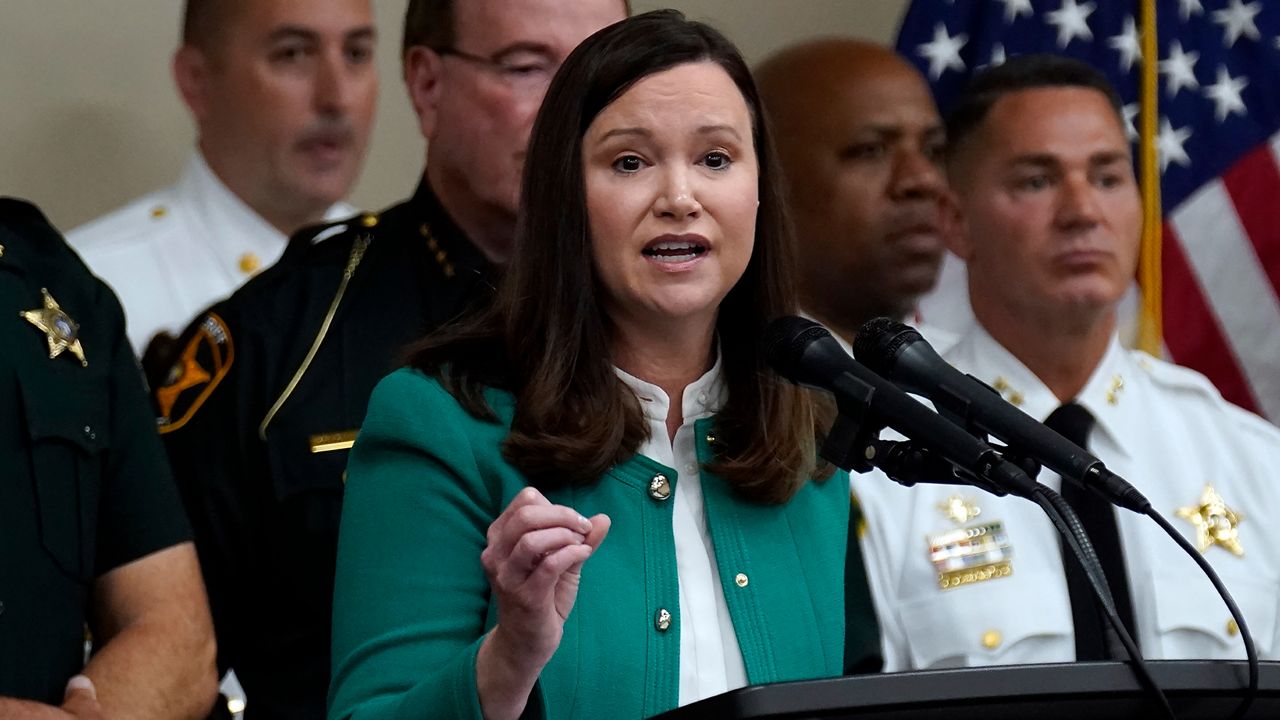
(659, 487)
(89, 433)
(741, 579)
(991, 639)
(702, 398)
(691, 468)
(662, 621)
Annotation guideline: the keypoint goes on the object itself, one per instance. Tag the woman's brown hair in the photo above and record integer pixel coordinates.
(546, 340)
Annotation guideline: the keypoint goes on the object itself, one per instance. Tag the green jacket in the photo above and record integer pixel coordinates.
(411, 600)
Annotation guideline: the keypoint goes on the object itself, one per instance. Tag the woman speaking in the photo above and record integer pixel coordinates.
(595, 500)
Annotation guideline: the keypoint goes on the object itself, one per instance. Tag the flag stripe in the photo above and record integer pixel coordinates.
(1223, 259)
(1195, 339)
(1254, 186)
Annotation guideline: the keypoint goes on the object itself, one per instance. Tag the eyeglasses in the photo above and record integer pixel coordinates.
(523, 72)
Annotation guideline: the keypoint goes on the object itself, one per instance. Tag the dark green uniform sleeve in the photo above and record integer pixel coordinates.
(140, 512)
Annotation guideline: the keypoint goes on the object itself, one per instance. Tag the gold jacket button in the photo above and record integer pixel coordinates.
(249, 263)
(1233, 629)
(659, 487)
(662, 620)
(741, 579)
(991, 639)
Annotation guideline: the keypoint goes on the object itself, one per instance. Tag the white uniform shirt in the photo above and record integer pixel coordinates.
(1163, 428)
(172, 253)
(710, 658)
(947, 306)
(939, 339)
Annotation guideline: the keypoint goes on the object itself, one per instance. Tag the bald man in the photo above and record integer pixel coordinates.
(283, 94)
(861, 144)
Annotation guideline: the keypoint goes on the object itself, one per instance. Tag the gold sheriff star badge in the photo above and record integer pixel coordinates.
(58, 327)
(1215, 523)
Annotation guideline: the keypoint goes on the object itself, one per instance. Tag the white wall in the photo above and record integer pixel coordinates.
(89, 117)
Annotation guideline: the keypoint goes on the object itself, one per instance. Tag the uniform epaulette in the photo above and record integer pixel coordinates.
(27, 238)
(1179, 378)
(25, 219)
(1174, 376)
(314, 236)
(12, 208)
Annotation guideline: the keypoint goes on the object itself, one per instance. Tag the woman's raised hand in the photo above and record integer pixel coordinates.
(533, 560)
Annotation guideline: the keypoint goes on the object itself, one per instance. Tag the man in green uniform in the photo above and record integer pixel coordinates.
(90, 524)
(272, 384)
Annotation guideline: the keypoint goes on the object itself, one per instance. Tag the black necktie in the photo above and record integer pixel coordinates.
(1097, 515)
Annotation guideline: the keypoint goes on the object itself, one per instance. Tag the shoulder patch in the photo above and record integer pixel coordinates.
(203, 363)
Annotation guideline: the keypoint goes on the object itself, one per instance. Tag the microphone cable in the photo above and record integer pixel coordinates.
(1250, 650)
(1070, 528)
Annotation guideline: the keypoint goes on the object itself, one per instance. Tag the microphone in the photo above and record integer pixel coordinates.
(898, 352)
(804, 352)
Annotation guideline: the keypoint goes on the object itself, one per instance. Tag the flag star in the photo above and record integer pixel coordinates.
(997, 57)
(997, 54)
(1072, 21)
(1170, 142)
(1179, 68)
(1190, 7)
(1225, 94)
(1013, 9)
(943, 51)
(1127, 43)
(1130, 114)
(1237, 20)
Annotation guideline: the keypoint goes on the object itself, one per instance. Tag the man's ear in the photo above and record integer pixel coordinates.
(191, 75)
(422, 78)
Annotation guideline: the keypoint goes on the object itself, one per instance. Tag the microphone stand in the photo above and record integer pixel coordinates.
(854, 443)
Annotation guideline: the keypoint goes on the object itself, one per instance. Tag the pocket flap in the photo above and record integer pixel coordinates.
(67, 408)
(1197, 607)
(980, 624)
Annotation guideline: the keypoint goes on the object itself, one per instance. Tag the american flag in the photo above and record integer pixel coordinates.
(1218, 67)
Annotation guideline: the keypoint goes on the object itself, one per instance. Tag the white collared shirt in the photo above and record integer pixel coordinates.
(710, 658)
(1164, 429)
(171, 254)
